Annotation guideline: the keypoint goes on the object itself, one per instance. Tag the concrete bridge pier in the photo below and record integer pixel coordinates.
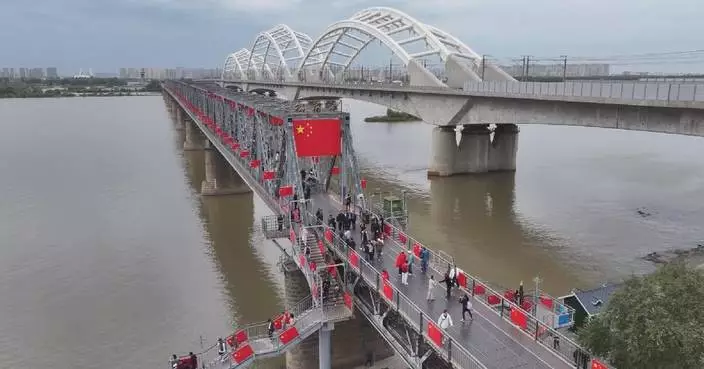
(194, 140)
(219, 177)
(473, 151)
(504, 147)
(443, 149)
(305, 354)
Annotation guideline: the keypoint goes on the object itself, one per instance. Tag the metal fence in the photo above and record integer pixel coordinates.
(615, 90)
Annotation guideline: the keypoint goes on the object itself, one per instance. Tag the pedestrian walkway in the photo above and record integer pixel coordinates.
(490, 339)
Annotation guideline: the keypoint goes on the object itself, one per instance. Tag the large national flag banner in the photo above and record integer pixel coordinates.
(317, 137)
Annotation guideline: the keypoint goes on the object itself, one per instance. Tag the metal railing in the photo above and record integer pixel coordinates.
(612, 90)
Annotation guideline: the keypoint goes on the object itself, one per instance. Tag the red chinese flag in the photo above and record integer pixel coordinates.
(302, 261)
(416, 249)
(596, 364)
(402, 238)
(328, 234)
(348, 300)
(288, 335)
(317, 137)
(546, 301)
(276, 121)
(435, 334)
(235, 146)
(335, 170)
(493, 299)
(244, 154)
(285, 191)
(242, 354)
(332, 270)
(254, 163)
(519, 318)
(230, 341)
(387, 229)
(462, 279)
(363, 183)
(479, 289)
(388, 290)
(292, 236)
(269, 175)
(354, 258)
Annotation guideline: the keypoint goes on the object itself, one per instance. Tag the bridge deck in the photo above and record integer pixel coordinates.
(494, 342)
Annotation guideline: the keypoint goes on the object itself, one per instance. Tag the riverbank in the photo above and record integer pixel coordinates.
(392, 116)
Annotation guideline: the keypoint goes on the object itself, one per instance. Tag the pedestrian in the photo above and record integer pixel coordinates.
(379, 248)
(431, 285)
(319, 216)
(353, 220)
(404, 273)
(291, 320)
(173, 362)
(222, 348)
(306, 252)
(520, 294)
(445, 320)
(424, 259)
(194, 360)
(348, 202)
(466, 302)
(384, 275)
(331, 222)
(411, 259)
(270, 328)
(365, 237)
(448, 284)
(400, 260)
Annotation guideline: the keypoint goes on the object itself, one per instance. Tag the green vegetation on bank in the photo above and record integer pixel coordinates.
(392, 116)
(654, 321)
(69, 87)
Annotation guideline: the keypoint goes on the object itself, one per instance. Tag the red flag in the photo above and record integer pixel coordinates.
(519, 318)
(416, 249)
(402, 238)
(462, 279)
(269, 175)
(388, 290)
(288, 335)
(243, 353)
(244, 154)
(254, 163)
(596, 364)
(276, 121)
(285, 191)
(317, 137)
(328, 234)
(348, 300)
(435, 334)
(335, 170)
(363, 183)
(354, 258)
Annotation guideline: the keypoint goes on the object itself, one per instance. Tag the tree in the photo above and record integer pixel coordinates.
(652, 322)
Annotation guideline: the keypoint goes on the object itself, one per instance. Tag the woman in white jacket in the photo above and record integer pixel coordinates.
(445, 320)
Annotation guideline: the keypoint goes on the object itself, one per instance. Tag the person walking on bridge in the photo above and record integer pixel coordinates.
(448, 283)
(400, 260)
(424, 259)
(445, 320)
(332, 223)
(466, 302)
(431, 285)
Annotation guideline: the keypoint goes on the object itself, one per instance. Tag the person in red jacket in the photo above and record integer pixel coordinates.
(400, 260)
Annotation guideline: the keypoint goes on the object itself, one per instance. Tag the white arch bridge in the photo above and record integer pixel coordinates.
(284, 54)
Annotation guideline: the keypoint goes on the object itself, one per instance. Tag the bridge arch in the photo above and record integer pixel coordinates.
(234, 65)
(280, 50)
(384, 24)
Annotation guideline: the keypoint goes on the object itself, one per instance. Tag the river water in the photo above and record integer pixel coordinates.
(109, 258)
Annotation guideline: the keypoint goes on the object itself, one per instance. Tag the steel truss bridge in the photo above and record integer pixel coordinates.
(254, 134)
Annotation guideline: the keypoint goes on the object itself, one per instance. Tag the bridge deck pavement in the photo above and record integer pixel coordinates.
(494, 342)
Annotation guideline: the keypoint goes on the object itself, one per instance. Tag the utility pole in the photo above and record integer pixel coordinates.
(564, 68)
(391, 77)
(528, 66)
(523, 70)
(483, 65)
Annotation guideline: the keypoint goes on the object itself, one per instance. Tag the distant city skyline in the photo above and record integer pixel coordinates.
(109, 34)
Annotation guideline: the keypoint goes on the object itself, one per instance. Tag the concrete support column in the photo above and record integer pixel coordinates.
(324, 346)
(504, 147)
(193, 140)
(219, 177)
(179, 114)
(443, 149)
(304, 354)
(473, 153)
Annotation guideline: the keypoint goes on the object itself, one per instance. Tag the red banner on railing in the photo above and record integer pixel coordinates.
(276, 121)
(388, 290)
(254, 163)
(288, 335)
(292, 236)
(596, 364)
(242, 354)
(363, 183)
(462, 279)
(435, 334)
(241, 336)
(493, 300)
(387, 229)
(519, 318)
(354, 258)
(302, 261)
(279, 322)
(348, 300)
(328, 234)
(235, 146)
(546, 301)
(285, 191)
(244, 154)
(479, 289)
(402, 238)
(335, 170)
(269, 175)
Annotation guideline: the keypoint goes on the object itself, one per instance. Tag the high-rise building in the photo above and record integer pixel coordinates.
(12, 73)
(52, 73)
(36, 73)
(5, 73)
(23, 73)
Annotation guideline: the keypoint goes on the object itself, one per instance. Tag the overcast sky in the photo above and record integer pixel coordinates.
(108, 34)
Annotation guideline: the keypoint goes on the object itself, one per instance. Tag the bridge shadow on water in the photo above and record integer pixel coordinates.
(229, 224)
(473, 218)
